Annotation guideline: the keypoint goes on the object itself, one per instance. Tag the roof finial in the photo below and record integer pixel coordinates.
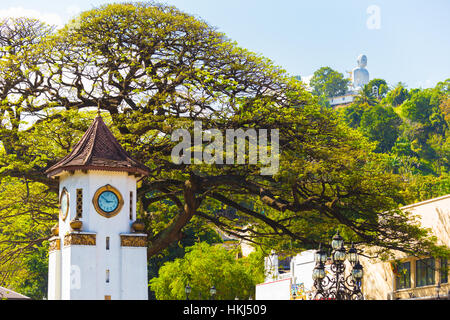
(98, 108)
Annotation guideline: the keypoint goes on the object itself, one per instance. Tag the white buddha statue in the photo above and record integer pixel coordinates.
(360, 75)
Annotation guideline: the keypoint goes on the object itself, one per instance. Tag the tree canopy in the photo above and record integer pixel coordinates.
(378, 87)
(411, 128)
(329, 82)
(205, 266)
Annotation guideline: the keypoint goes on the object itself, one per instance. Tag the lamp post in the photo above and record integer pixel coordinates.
(187, 290)
(338, 285)
(212, 292)
(438, 288)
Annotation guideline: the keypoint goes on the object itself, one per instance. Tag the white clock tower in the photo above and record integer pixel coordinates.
(98, 250)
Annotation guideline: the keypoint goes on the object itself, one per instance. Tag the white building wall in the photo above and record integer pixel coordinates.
(134, 280)
(302, 268)
(90, 263)
(78, 273)
(90, 182)
(278, 286)
(274, 290)
(434, 214)
(54, 275)
(379, 280)
(345, 99)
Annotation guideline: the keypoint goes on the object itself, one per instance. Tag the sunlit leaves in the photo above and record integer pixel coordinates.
(205, 266)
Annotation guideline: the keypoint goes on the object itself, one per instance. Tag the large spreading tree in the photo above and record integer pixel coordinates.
(152, 69)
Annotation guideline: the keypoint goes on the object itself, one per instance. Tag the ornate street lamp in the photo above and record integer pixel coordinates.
(212, 292)
(187, 290)
(337, 241)
(352, 254)
(438, 288)
(339, 255)
(337, 285)
(319, 272)
(320, 255)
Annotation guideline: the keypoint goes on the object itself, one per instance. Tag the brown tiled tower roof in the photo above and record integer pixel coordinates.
(98, 149)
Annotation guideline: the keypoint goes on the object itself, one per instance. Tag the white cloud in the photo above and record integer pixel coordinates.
(424, 84)
(73, 10)
(17, 12)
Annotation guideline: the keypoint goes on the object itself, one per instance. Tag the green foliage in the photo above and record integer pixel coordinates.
(31, 276)
(427, 187)
(196, 232)
(365, 96)
(420, 106)
(28, 210)
(381, 85)
(410, 124)
(323, 101)
(381, 124)
(353, 113)
(397, 95)
(205, 266)
(411, 127)
(329, 83)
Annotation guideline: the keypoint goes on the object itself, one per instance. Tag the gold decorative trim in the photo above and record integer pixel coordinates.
(76, 224)
(133, 241)
(99, 192)
(138, 226)
(54, 244)
(80, 239)
(63, 215)
(55, 230)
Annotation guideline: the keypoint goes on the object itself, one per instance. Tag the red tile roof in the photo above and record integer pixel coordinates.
(98, 149)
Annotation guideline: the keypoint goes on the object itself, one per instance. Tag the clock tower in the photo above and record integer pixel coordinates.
(98, 249)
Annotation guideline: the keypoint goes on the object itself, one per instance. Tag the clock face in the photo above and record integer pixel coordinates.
(64, 204)
(108, 201)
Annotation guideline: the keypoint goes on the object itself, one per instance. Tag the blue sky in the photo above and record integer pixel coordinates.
(407, 41)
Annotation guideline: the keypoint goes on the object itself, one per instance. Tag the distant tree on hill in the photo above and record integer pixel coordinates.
(423, 107)
(445, 109)
(352, 114)
(365, 96)
(397, 96)
(381, 87)
(381, 124)
(329, 82)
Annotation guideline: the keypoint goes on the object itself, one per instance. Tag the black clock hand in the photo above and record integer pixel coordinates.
(104, 199)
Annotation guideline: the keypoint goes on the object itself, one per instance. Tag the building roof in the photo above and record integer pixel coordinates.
(11, 295)
(418, 204)
(98, 149)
